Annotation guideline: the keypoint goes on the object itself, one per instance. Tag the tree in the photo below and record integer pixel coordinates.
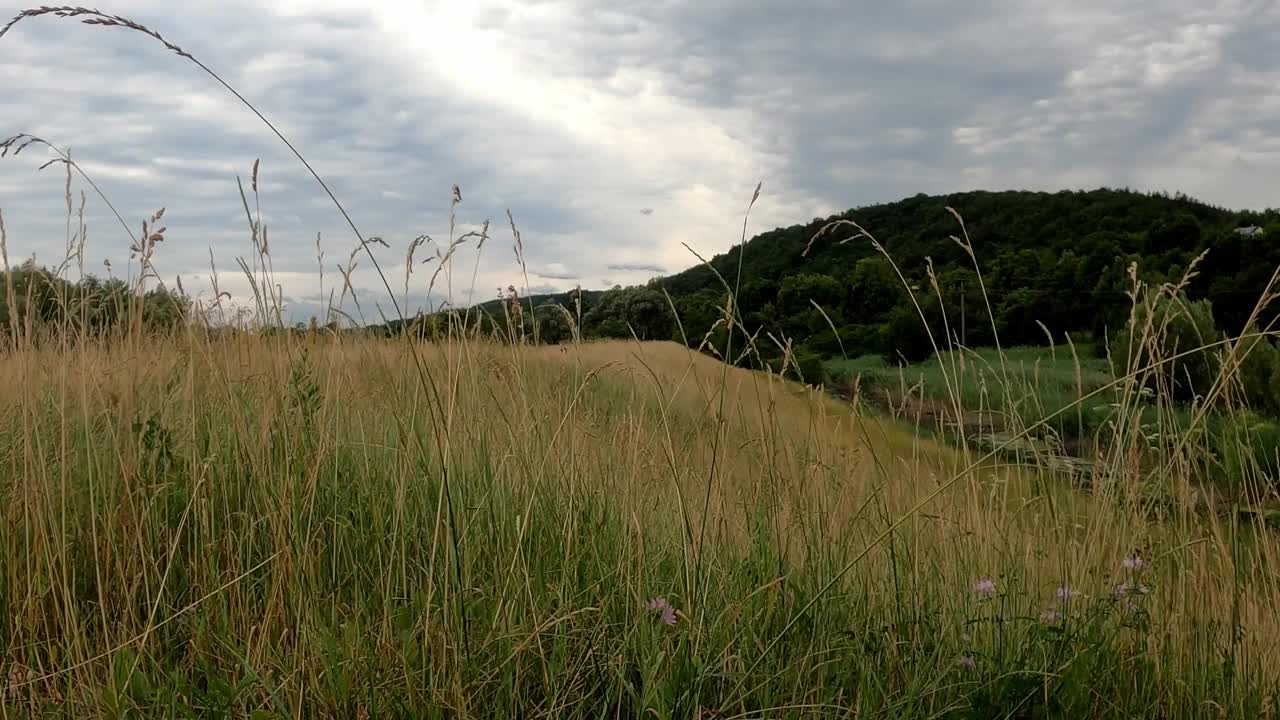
(621, 311)
(873, 289)
(904, 337)
(90, 307)
(553, 326)
(1180, 231)
(798, 292)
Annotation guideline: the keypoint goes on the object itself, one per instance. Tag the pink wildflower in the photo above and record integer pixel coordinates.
(1133, 562)
(663, 608)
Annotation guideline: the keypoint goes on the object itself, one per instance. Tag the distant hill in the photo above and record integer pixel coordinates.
(1058, 259)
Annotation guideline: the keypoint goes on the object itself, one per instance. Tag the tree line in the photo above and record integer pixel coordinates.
(1042, 265)
(1041, 262)
(38, 304)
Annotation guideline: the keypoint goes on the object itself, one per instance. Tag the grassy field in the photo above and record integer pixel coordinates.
(1025, 386)
(270, 524)
(1065, 399)
(285, 527)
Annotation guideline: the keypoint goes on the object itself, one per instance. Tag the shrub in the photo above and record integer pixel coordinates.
(904, 337)
(811, 367)
(1260, 374)
(1161, 327)
(1244, 445)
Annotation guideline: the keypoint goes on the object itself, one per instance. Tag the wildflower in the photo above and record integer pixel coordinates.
(985, 587)
(1065, 594)
(1050, 617)
(1133, 562)
(1121, 590)
(663, 608)
(967, 662)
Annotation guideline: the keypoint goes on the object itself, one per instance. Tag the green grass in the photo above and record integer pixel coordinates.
(261, 527)
(1067, 403)
(1029, 385)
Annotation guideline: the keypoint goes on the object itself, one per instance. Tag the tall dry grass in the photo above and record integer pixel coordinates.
(240, 526)
(261, 524)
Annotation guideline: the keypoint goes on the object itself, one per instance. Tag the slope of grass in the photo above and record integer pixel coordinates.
(262, 527)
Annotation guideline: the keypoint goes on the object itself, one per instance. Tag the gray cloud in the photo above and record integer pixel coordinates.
(555, 271)
(544, 289)
(577, 115)
(636, 268)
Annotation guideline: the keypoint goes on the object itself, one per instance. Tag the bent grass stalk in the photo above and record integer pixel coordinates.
(93, 17)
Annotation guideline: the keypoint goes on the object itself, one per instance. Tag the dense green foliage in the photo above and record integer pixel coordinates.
(1184, 334)
(1165, 326)
(1055, 262)
(1060, 259)
(40, 302)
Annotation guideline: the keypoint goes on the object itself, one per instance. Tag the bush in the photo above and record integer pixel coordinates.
(811, 367)
(1260, 374)
(904, 337)
(861, 339)
(805, 365)
(1161, 327)
(1244, 445)
(622, 311)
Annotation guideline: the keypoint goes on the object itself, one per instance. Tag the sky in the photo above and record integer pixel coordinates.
(622, 137)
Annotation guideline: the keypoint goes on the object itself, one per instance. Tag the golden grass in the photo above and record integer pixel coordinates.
(338, 526)
(94, 545)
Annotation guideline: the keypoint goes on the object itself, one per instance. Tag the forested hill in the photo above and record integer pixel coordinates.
(1060, 259)
(1000, 222)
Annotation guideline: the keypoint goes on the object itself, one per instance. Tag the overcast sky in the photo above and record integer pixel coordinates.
(614, 131)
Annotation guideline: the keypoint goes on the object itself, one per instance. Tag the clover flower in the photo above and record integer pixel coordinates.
(1133, 562)
(664, 610)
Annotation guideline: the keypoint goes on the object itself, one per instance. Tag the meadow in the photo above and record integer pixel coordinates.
(1065, 405)
(1018, 386)
(240, 521)
(274, 527)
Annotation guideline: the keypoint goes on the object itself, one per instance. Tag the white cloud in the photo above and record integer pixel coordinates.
(575, 115)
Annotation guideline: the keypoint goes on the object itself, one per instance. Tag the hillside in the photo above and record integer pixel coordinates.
(1060, 259)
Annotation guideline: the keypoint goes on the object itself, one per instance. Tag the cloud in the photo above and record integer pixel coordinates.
(544, 289)
(554, 271)
(636, 268)
(581, 117)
